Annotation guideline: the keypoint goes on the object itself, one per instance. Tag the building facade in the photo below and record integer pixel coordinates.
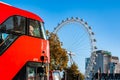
(116, 64)
(102, 61)
(105, 63)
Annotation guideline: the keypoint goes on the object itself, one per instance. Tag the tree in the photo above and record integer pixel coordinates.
(58, 55)
(59, 58)
(73, 73)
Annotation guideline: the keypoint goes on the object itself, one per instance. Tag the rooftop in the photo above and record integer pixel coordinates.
(104, 52)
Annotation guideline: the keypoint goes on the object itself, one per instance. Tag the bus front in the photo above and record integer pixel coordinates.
(24, 50)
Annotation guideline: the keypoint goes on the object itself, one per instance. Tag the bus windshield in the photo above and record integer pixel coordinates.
(36, 29)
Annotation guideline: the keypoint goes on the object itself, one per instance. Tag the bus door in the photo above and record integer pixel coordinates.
(36, 72)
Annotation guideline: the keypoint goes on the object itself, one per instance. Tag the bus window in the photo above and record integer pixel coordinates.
(19, 24)
(36, 29)
(31, 73)
(9, 30)
(14, 24)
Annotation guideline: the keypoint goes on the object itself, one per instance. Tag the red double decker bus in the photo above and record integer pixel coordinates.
(24, 50)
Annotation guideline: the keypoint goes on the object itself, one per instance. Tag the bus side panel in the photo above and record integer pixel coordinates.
(24, 49)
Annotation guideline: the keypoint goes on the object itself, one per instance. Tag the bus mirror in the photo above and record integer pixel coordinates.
(42, 58)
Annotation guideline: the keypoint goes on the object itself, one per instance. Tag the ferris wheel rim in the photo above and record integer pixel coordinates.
(91, 38)
(84, 25)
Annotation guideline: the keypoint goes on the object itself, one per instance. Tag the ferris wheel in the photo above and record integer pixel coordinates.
(78, 38)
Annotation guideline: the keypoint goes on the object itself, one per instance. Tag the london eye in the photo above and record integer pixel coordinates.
(77, 38)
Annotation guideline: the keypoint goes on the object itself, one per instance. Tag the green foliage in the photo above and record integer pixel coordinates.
(73, 73)
(58, 55)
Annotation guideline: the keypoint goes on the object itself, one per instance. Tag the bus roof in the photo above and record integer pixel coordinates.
(7, 10)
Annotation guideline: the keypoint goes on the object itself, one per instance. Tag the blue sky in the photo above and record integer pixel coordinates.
(102, 15)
